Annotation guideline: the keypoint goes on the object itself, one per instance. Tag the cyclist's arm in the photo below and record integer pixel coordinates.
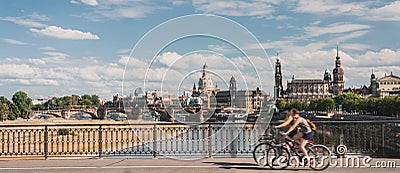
(295, 124)
(284, 124)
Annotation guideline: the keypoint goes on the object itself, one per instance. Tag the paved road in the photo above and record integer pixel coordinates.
(220, 165)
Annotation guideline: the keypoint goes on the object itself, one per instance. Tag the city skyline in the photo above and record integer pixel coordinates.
(78, 47)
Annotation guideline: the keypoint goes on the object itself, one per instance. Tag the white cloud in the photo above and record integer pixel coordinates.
(315, 31)
(341, 32)
(222, 48)
(37, 16)
(45, 82)
(31, 20)
(390, 12)
(37, 61)
(384, 57)
(139, 11)
(366, 10)
(355, 46)
(60, 33)
(110, 9)
(90, 2)
(13, 59)
(132, 62)
(56, 55)
(335, 7)
(236, 8)
(23, 22)
(89, 73)
(170, 58)
(12, 41)
(178, 3)
(124, 51)
(86, 2)
(352, 35)
(48, 48)
(74, 2)
(191, 61)
(16, 70)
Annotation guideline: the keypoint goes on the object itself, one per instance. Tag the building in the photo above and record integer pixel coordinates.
(308, 89)
(249, 101)
(205, 87)
(389, 85)
(246, 100)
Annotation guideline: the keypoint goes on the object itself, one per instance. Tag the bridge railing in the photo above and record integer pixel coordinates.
(377, 138)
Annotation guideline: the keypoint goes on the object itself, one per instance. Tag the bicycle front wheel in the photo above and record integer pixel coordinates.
(260, 154)
(319, 157)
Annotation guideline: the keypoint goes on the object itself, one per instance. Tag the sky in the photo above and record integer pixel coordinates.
(106, 47)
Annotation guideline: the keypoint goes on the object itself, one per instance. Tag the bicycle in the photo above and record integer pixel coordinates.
(281, 155)
(265, 142)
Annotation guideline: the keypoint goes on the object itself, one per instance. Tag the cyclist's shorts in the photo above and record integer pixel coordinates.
(308, 136)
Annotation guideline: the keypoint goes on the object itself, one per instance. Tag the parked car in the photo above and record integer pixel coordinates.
(43, 116)
(81, 116)
(117, 116)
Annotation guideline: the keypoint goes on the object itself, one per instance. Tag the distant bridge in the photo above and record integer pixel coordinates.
(65, 113)
(97, 113)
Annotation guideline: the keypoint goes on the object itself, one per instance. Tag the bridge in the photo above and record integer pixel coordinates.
(97, 113)
(65, 113)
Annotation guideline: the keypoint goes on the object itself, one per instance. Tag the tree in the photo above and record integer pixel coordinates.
(298, 105)
(12, 108)
(86, 100)
(280, 104)
(23, 103)
(4, 111)
(75, 99)
(95, 100)
(322, 104)
(349, 101)
(86, 96)
(67, 101)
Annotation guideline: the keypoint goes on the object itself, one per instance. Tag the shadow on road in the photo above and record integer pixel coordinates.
(248, 166)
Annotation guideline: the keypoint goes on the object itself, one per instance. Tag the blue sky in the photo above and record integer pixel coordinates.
(63, 47)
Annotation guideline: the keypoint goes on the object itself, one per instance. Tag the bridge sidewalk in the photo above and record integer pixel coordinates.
(227, 165)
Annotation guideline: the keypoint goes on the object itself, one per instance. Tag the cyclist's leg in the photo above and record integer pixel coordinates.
(297, 137)
(291, 135)
(303, 142)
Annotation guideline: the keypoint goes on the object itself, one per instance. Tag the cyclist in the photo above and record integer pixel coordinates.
(299, 130)
(289, 121)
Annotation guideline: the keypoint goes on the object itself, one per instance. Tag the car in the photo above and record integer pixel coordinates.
(43, 116)
(81, 116)
(117, 116)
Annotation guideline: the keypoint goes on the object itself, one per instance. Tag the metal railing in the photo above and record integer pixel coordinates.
(378, 138)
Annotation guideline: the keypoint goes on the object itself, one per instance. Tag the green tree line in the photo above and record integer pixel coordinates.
(21, 104)
(350, 102)
(73, 101)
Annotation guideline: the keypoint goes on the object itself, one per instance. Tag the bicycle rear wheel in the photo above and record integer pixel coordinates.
(319, 157)
(260, 154)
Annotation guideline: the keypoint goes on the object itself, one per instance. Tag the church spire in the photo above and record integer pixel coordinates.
(277, 57)
(205, 67)
(337, 50)
(372, 74)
